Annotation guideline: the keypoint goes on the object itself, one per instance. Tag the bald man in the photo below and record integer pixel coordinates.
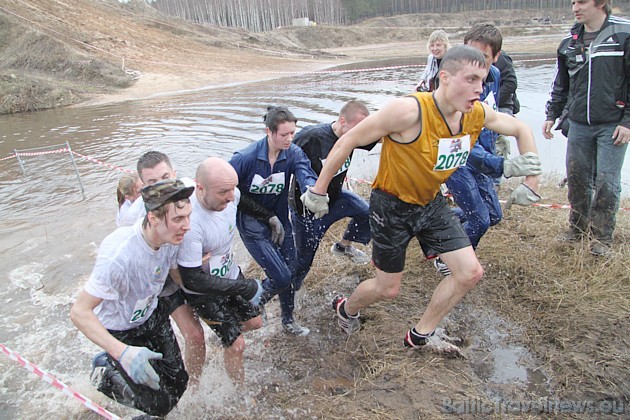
(212, 281)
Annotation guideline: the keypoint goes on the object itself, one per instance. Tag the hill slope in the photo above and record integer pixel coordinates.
(56, 53)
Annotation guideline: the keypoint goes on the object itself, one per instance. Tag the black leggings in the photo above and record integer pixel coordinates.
(157, 335)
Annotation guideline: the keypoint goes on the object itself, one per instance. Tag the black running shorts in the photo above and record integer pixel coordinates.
(394, 223)
(224, 314)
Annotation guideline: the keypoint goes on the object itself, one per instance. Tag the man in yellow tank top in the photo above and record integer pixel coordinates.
(426, 137)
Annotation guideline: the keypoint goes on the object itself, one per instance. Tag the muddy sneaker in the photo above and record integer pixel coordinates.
(99, 366)
(600, 249)
(437, 342)
(441, 267)
(347, 323)
(356, 255)
(295, 329)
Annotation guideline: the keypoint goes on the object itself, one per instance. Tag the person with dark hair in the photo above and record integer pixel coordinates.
(155, 166)
(120, 311)
(426, 137)
(264, 171)
(592, 86)
(472, 185)
(308, 231)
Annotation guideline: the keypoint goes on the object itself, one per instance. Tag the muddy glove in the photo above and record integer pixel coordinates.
(255, 301)
(277, 230)
(135, 361)
(523, 196)
(315, 203)
(524, 165)
(503, 146)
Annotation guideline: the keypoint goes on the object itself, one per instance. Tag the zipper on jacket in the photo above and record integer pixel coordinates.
(588, 89)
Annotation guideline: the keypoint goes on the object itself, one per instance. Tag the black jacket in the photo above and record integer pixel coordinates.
(508, 83)
(595, 84)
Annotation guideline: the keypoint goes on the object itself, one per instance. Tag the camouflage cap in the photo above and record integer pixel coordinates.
(166, 191)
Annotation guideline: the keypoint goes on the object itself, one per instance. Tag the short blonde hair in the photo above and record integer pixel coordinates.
(439, 35)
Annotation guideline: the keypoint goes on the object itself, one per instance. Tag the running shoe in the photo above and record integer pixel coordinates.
(441, 267)
(347, 323)
(99, 365)
(356, 255)
(439, 342)
(295, 329)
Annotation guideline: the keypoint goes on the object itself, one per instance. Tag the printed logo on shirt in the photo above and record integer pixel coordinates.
(273, 184)
(157, 272)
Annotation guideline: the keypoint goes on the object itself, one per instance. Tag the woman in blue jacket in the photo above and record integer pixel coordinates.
(264, 171)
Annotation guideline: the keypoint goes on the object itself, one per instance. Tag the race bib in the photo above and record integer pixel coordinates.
(221, 265)
(452, 153)
(141, 309)
(491, 101)
(274, 184)
(343, 168)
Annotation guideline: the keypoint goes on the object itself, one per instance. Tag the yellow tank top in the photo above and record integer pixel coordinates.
(414, 171)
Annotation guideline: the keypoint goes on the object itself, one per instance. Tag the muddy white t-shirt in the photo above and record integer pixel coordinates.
(135, 212)
(128, 276)
(211, 232)
(122, 211)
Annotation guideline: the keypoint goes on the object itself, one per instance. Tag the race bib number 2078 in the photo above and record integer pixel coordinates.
(452, 153)
(274, 184)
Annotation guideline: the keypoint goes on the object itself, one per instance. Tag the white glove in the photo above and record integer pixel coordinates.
(255, 301)
(524, 165)
(503, 146)
(277, 230)
(315, 203)
(523, 196)
(135, 361)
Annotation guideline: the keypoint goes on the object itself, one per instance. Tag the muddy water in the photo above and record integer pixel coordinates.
(50, 230)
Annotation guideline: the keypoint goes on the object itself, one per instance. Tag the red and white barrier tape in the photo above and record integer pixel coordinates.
(100, 162)
(48, 152)
(51, 380)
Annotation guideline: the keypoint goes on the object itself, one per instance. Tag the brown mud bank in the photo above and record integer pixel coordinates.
(545, 333)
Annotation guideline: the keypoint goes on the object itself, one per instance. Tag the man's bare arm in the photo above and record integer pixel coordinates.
(82, 315)
(396, 117)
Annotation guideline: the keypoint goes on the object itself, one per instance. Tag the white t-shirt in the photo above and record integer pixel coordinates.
(122, 210)
(129, 276)
(211, 232)
(134, 212)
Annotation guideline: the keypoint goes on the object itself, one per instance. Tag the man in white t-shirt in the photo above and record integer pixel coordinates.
(119, 309)
(212, 281)
(154, 166)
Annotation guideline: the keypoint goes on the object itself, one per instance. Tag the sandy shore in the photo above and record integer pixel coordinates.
(157, 81)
